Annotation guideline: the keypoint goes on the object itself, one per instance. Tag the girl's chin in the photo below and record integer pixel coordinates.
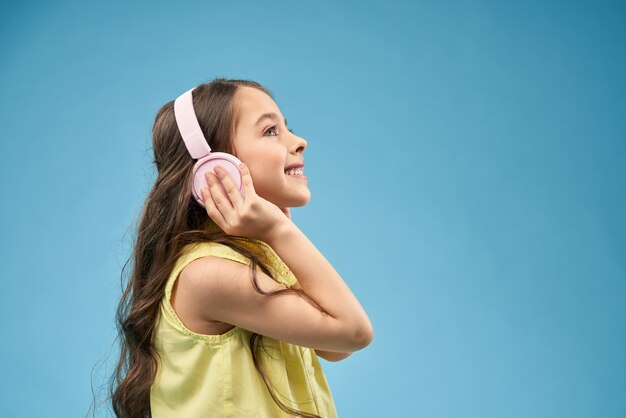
(295, 203)
(298, 201)
(292, 201)
(299, 204)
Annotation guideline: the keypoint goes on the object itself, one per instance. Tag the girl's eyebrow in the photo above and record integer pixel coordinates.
(272, 116)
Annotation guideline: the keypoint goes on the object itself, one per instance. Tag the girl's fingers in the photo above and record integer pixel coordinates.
(246, 179)
(219, 199)
(232, 192)
(211, 209)
(223, 204)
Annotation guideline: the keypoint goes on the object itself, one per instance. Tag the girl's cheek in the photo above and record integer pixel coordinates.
(277, 161)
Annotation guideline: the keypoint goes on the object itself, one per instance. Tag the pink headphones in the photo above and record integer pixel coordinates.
(199, 148)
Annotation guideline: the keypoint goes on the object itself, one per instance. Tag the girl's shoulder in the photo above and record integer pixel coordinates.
(279, 271)
(190, 253)
(196, 250)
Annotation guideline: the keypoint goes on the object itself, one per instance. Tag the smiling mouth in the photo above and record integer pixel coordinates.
(295, 172)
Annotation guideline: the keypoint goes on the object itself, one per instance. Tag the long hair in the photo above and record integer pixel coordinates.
(170, 219)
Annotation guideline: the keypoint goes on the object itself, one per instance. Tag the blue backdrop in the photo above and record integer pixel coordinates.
(467, 167)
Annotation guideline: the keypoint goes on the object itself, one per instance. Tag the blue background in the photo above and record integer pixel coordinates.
(467, 167)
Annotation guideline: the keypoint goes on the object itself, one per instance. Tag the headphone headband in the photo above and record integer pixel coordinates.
(189, 127)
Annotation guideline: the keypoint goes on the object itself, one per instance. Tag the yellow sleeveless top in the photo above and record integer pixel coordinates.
(214, 376)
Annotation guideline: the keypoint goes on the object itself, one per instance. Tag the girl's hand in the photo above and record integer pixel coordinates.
(249, 216)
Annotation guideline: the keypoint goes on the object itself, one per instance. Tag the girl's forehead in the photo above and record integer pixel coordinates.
(253, 104)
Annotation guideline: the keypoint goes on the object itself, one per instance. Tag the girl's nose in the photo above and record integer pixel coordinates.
(299, 145)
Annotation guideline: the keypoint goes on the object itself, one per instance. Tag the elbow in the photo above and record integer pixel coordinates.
(332, 356)
(363, 336)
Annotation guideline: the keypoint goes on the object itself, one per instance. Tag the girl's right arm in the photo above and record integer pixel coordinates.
(221, 289)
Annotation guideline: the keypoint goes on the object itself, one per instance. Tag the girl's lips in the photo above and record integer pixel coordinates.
(297, 165)
(296, 170)
(298, 176)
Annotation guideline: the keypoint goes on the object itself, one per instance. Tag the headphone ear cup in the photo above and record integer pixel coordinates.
(227, 161)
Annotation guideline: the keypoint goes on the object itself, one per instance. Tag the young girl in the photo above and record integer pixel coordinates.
(229, 305)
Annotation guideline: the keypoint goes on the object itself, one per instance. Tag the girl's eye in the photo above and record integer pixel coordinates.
(273, 128)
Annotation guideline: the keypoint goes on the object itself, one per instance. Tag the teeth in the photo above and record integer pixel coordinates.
(294, 171)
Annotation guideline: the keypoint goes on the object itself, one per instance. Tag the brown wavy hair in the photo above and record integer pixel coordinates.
(170, 219)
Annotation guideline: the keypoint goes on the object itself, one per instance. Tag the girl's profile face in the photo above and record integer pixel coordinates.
(263, 142)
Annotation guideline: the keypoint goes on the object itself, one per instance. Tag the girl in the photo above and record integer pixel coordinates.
(229, 305)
